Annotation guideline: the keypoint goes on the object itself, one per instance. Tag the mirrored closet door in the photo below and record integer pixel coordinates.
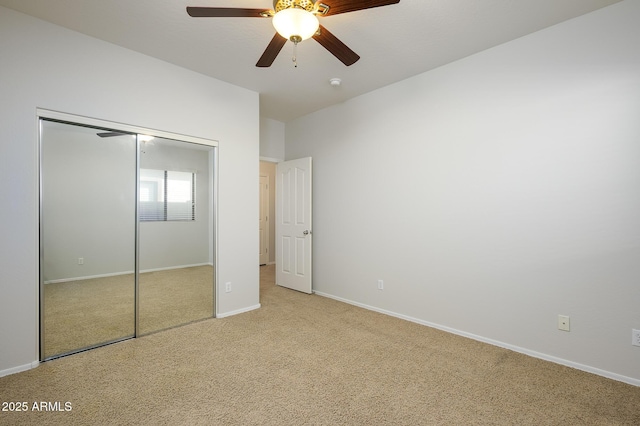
(176, 218)
(87, 237)
(126, 235)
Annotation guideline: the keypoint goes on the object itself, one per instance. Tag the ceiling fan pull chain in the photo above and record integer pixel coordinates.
(294, 59)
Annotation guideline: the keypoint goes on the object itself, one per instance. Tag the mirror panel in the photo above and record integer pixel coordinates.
(176, 279)
(87, 233)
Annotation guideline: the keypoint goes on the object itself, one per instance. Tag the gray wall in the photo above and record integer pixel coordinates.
(271, 139)
(494, 193)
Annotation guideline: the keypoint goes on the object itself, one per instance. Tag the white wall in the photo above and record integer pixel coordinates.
(53, 68)
(494, 193)
(271, 139)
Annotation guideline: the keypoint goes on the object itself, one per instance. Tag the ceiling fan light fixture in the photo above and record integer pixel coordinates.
(295, 24)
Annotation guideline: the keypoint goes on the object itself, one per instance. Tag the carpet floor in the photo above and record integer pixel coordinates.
(307, 360)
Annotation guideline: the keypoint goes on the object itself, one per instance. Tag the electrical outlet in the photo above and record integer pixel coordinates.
(227, 287)
(380, 285)
(563, 323)
(81, 261)
(635, 337)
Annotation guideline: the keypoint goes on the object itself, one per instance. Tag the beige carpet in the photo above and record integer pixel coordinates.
(304, 359)
(83, 313)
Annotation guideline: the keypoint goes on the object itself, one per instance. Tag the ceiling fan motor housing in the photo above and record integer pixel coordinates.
(307, 5)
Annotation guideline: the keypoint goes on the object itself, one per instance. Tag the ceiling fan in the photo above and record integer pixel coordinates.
(142, 138)
(111, 134)
(296, 20)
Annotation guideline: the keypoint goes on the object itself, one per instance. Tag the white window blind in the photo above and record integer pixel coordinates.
(167, 195)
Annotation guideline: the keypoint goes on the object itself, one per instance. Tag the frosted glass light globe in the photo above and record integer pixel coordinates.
(294, 22)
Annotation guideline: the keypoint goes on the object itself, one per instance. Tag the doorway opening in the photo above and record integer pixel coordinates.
(267, 215)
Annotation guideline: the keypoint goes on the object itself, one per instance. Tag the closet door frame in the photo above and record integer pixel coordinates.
(44, 114)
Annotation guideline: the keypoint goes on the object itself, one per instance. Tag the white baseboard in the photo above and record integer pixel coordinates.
(19, 368)
(239, 311)
(168, 268)
(115, 274)
(539, 355)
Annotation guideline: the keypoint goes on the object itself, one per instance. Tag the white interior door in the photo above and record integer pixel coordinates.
(293, 224)
(263, 220)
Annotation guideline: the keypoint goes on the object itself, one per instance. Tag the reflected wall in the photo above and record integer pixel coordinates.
(88, 225)
(176, 268)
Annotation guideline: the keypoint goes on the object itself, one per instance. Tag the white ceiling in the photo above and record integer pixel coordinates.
(394, 42)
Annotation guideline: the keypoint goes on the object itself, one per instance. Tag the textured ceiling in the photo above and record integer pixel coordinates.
(394, 42)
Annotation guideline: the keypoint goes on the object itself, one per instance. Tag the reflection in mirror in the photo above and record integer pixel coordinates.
(175, 233)
(104, 275)
(87, 237)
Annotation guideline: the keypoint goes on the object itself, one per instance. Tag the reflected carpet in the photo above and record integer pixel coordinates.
(88, 312)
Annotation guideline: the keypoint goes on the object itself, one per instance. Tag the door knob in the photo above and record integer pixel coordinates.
(306, 232)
